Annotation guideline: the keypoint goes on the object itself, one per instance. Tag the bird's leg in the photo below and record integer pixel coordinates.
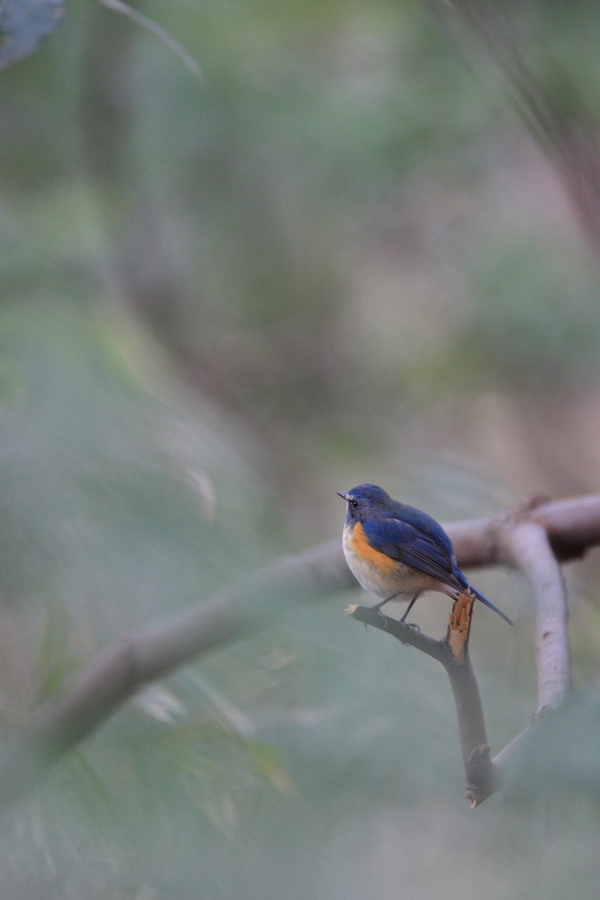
(383, 602)
(410, 606)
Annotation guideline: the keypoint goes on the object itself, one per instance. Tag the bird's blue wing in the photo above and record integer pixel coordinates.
(419, 541)
(414, 547)
(426, 526)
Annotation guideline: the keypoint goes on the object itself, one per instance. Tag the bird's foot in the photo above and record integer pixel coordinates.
(383, 615)
(410, 625)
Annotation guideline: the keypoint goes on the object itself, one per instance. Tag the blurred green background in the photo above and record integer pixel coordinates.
(340, 258)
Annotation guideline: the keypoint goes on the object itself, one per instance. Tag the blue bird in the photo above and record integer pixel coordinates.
(397, 552)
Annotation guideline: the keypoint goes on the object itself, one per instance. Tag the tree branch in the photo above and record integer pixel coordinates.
(529, 549)
(572, 526)
(128, 664)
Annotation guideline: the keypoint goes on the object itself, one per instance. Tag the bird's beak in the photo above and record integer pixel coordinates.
(343, 496)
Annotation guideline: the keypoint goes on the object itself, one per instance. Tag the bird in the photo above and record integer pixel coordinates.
(397, 552)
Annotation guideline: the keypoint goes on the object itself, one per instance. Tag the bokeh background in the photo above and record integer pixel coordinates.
(344, 254)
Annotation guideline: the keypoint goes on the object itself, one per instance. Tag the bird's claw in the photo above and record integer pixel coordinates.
(383, 616)
(410, 625)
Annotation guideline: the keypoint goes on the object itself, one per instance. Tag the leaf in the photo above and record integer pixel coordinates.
(23, 24)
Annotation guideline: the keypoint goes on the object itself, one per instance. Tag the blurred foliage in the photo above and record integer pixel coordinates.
(532, 321)
(23, 23)
(340, 259)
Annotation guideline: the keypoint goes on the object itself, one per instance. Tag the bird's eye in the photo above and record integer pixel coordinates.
(354, 504)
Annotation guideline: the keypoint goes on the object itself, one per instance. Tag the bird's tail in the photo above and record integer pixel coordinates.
(489, 604)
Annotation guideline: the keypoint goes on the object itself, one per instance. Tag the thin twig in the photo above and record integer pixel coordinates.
(453, 653)
(504, 760)
(406, 634)
(158, 31)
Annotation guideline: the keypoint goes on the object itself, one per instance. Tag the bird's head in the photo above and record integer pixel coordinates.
(364, 500)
